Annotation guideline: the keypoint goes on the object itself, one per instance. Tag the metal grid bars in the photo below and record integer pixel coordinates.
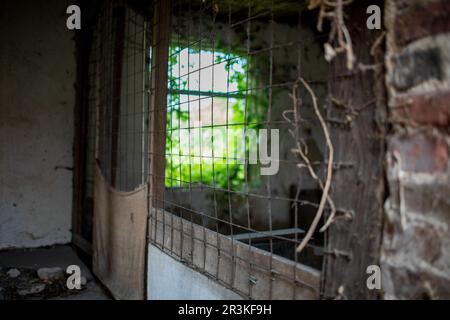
(123, 79)
(231, 67)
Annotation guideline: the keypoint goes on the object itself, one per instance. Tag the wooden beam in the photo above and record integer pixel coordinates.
(82, 243)
(267, 234)
(353, 243)
(158, 107)
(83, 40)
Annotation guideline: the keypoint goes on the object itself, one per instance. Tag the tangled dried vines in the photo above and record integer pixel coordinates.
(302, 150)
(339, 40)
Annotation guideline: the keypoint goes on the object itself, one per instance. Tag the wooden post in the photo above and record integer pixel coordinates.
(354, 240)
(83, 40)
(158, 108)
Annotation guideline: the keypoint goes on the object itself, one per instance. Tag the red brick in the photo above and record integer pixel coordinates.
(441, 155)
(427, 109)
(414, 67)
(422, 20)
(422, 153)
(421, 241)
(421, 284)
(430, 199)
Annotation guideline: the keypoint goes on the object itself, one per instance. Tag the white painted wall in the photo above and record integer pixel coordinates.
(37, 74)
(169, 279)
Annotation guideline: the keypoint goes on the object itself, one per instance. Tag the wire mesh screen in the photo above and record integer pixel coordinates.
(117, 98)
(91, 130)
(122, 59)
(232, 187)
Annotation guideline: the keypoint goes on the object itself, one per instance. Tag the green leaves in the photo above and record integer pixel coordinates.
(189, 160)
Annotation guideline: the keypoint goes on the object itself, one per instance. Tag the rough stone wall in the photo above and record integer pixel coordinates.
(416, 243)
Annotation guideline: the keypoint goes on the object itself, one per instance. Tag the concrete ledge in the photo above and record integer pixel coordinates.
(169, 279)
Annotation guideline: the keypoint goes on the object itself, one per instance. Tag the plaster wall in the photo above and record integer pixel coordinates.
(37, 98)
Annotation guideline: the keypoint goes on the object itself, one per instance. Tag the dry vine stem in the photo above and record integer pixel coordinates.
(303, 154)
(334, 10)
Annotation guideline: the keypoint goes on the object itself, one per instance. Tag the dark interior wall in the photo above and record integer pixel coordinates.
(37, 98)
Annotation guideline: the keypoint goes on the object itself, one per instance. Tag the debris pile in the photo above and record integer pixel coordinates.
(31, 284)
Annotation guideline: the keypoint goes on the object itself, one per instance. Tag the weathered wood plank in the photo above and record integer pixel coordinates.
(250, 271)
(354, 244)
(158, 107)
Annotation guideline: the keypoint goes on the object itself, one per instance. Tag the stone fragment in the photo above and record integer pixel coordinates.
(34, 289)
(13, 273)
(49, 274)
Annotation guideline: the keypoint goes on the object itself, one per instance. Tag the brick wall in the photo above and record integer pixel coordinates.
(415, 254)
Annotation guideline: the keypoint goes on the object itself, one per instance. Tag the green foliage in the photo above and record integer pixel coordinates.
(189, 150)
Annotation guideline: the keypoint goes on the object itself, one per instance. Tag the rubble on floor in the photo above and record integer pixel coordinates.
(25, 283)
(39, 274)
